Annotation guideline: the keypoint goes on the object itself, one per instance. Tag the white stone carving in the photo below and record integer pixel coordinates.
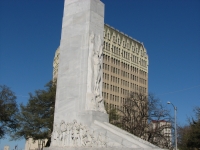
(76, 135)
(90, 67)
(94, 87)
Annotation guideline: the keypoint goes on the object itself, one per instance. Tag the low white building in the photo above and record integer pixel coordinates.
(165, 130)
(35, 145)
(6, 148)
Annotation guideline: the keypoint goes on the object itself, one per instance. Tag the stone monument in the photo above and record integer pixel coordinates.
(80, 119)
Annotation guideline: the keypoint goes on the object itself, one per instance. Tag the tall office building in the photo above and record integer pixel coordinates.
(125, 67)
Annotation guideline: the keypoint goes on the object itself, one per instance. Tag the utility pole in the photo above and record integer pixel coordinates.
(175, 126)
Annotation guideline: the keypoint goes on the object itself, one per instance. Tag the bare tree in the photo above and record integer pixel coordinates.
(145, 117)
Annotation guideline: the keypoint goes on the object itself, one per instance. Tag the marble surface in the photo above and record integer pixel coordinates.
(79, 22)
(79, 84)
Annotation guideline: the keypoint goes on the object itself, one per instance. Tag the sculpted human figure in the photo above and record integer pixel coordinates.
(89, 140)
(94, 99)
(70, 134)
(67, 136)
(96, 65)
(78, 142)
(81, 134)
(55, 135)
(99, 98)
(55, 132)
(90, 100)
(90, 65)
(75, 133)
(58, 136)
(63, 129)
(98, 77)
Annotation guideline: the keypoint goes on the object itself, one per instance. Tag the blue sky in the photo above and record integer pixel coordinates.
(170, 30)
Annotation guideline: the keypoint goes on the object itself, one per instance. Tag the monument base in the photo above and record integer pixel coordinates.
(95, 135)
(90, 148)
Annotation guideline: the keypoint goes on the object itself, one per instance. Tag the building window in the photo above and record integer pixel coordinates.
(108, 36)
(113, 38)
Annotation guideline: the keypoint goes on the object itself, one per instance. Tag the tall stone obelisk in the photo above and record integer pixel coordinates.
(79, 84)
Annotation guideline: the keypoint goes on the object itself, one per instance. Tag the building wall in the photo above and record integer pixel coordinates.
(125, 67)
(6, 148)
(166, 131)
(37, 145)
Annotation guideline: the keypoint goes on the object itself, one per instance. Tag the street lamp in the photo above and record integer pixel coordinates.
(175, 109)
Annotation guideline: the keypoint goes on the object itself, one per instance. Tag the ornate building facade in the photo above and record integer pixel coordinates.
(125, 67)
(165, 131)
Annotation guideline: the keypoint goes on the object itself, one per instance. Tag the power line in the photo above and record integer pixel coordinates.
(180, 90)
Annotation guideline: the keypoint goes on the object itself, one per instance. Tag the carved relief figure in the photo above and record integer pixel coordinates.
(90, 65)
(90, 99)
(55, 132)
(68, 135)
(81, 134)
(63, 129)
(76, 135)
(95, 58)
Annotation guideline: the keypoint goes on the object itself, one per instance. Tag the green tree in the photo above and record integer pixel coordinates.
(189, 135)
(36, 117)
(8, 109)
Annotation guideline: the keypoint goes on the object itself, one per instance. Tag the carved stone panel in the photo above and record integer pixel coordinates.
(75, 134)
(94, 80)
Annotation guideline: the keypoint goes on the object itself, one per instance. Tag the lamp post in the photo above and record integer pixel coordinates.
(175, 109)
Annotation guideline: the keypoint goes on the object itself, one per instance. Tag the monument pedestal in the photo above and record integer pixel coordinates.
(98, 136)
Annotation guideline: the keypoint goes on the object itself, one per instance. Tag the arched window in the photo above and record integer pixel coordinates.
(108, 35)
(113, 38)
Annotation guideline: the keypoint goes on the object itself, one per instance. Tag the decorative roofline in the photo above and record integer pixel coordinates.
(124, 34)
